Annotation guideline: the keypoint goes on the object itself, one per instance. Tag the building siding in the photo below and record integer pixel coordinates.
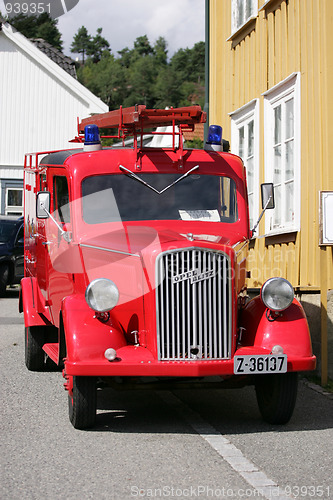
(288, 37)
(38, 106)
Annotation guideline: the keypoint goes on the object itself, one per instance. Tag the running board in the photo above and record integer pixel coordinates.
(52, 350)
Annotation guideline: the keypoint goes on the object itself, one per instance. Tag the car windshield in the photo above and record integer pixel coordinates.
(7, 230)
(122, 197)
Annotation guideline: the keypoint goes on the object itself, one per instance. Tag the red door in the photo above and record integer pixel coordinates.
(41, 244)
(59, 272)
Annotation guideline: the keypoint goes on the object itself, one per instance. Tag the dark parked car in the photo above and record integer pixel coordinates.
(11, 251)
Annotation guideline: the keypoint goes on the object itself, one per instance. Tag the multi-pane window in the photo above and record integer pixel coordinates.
(246, 151)
(282, 132)
(14, 201)
(242, 11)
(245, 143)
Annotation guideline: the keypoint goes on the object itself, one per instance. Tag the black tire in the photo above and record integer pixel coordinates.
(276, 396)
(34, 354)
(4, 275)
(82, 404)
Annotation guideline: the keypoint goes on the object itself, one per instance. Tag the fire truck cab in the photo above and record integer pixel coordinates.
(135, 269)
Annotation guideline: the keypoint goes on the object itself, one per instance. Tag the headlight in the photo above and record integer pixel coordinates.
(102, 295)
(277, 294)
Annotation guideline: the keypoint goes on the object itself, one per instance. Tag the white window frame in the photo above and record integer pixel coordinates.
(13, 209)
(280, 94)
(236, 5)
(241, 118)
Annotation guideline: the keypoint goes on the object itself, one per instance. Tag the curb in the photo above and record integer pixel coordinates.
(318, 388)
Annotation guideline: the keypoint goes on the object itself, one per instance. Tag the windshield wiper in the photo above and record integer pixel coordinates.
(132, 175)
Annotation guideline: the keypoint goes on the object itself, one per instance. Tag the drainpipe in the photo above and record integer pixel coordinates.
(206, 107)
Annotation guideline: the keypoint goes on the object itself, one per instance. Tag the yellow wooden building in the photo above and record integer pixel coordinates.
(271, 89)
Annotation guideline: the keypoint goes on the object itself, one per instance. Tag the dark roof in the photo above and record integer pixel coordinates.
(198, 132)
(59, 157)
(56, 56)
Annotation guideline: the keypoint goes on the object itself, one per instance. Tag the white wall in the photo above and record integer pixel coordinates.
(39, 102)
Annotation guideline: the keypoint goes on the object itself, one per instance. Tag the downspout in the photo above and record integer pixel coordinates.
(206, 107)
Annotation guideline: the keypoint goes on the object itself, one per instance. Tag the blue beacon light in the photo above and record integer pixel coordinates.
(214, 139)
(92, 141)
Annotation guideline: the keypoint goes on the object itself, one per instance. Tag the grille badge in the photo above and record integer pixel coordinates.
(194, 276)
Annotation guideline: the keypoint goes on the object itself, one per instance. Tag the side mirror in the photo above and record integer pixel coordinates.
(267, 196)
(43, 205)
(267, 201)
(43, 212)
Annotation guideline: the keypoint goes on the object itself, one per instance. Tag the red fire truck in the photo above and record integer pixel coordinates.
(135, 269)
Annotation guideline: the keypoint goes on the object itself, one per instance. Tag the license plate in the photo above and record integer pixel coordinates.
(258, 363)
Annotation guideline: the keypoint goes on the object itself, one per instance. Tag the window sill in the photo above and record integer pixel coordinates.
(270, 6)
(281, 237)
(243, 31)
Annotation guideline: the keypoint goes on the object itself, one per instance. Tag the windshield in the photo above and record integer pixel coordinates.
(121, 197)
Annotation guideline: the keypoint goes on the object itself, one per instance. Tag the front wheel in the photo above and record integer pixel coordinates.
(34, 354)
(82, 402)
(276, 396)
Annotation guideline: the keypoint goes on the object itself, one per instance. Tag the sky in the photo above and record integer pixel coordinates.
(180, 22)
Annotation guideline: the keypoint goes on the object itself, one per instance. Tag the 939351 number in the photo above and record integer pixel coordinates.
(31, 8)
(254, 364)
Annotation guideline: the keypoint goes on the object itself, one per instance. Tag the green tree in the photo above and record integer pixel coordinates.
(142, 46)
(49, 32)
(125, 57)
(42, 26)
(179, 62)
(192, 93)
(189, 65)
(160, 51)
(190, 62)
(197, 62)
(142, 75)
(86, 75)
(81, 42)
(167, 88)
(97, 46)
(105, 79)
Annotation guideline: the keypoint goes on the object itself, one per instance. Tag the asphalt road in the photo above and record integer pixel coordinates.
(153, 444)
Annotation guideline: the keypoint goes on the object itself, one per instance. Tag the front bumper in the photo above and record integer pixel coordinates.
(134, 361)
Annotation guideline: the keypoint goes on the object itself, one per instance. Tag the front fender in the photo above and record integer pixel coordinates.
(87, 337)
(290, 330)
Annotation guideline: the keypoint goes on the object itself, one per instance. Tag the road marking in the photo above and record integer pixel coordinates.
(228, 451)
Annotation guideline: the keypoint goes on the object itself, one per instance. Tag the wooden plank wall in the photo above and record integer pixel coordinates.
(289, 36)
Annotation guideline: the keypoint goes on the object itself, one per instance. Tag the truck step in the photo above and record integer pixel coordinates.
(52, 350)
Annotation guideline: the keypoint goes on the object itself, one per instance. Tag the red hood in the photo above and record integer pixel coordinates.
(127, 254)
(136, 239)
(134, 243)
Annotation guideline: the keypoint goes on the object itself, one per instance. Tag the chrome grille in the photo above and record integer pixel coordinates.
(193, 297)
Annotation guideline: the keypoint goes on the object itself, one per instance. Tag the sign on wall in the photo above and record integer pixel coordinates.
(326, 218)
